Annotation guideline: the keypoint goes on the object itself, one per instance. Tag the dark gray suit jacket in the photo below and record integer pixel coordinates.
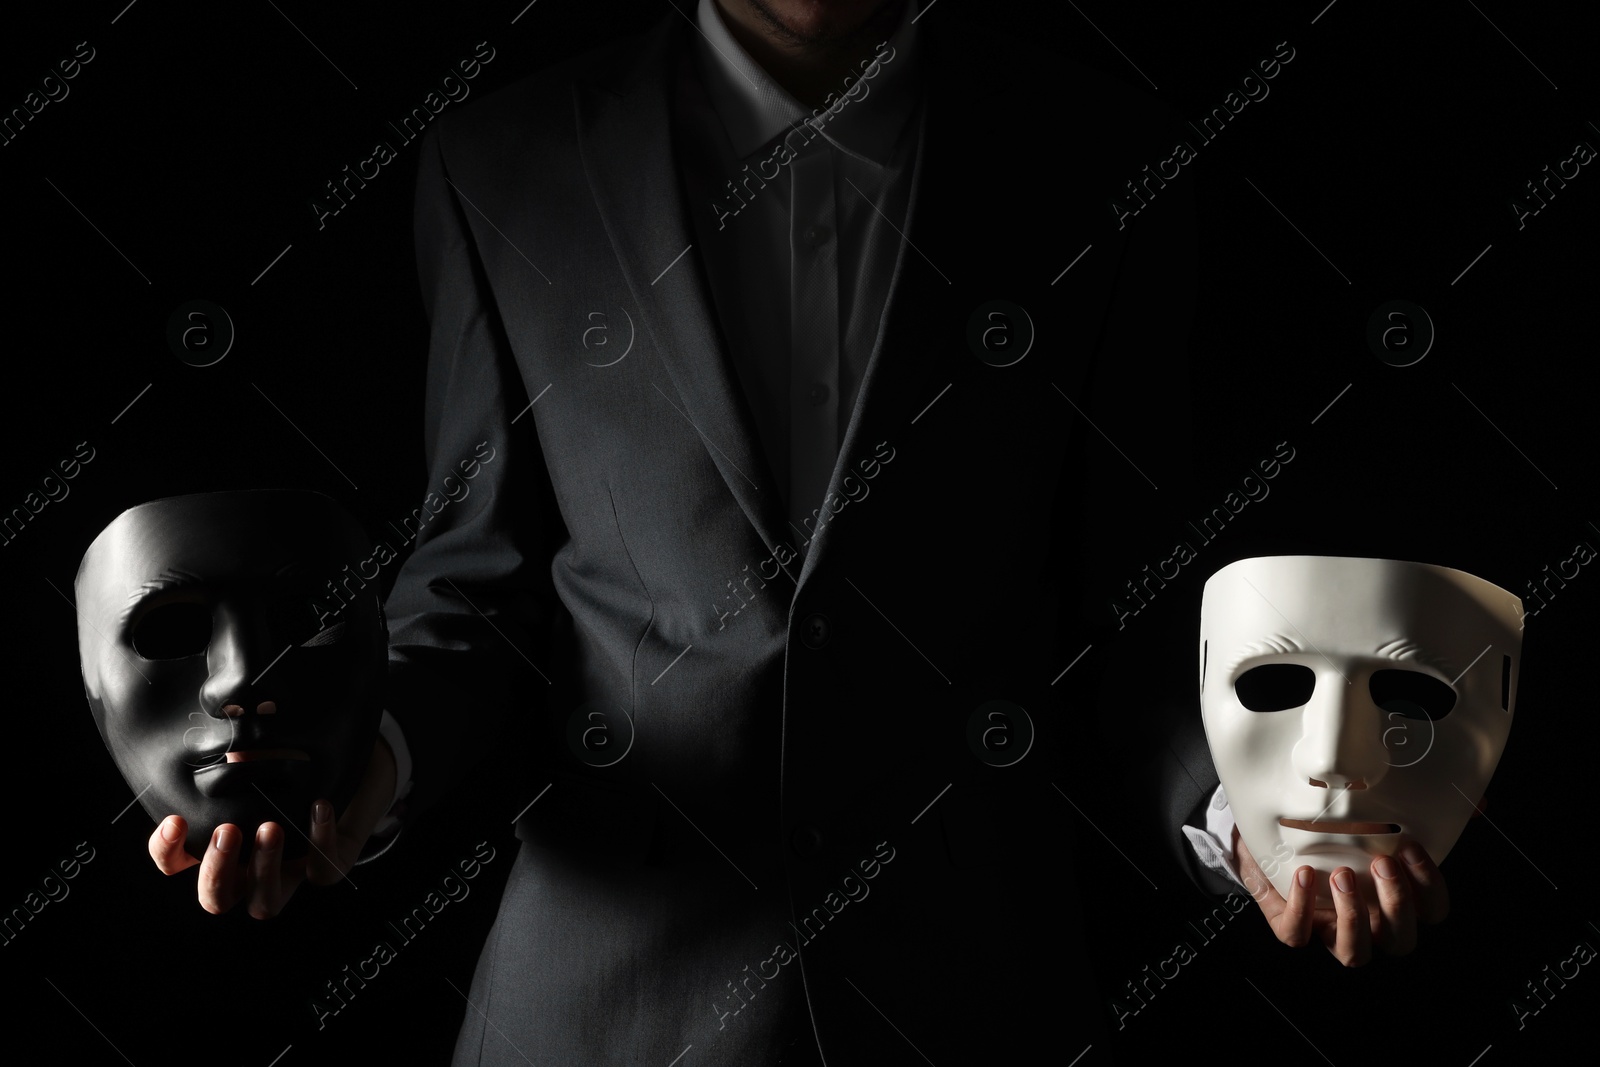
(801, 848)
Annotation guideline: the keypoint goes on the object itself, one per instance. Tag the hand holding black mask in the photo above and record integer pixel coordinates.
(228, 686)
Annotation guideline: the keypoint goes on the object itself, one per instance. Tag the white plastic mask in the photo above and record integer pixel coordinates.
(1350, 703)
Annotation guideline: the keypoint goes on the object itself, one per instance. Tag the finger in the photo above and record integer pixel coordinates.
(324, 865)
(1293, 925)
(1256, 882)
(1350, 934)
(371, 801)
(266, 872)
(1397, 931)
(1432, 895)
(219, 871)
(1264, 893)
(166, 845)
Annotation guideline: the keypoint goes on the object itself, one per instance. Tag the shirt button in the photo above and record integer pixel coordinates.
(818, 395)
(816, 235)
(814, 631)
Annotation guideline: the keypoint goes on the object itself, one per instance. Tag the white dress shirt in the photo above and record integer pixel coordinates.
(799, 251)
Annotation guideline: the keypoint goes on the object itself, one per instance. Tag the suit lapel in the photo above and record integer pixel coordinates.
(625, 139)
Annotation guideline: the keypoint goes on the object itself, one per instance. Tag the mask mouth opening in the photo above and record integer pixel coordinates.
(257, 754)
(1340, 826)
(244, 772)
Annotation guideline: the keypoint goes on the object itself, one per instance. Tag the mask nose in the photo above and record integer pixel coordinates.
(1341, 743)
(238, 663)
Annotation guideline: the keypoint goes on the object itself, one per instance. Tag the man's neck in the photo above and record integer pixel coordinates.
(808, 70)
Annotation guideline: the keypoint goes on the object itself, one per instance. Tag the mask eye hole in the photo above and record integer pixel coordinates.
(1412, 694)
(173, 631)
(1276, 686)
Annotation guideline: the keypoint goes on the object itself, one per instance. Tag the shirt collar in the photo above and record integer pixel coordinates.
(755, 110)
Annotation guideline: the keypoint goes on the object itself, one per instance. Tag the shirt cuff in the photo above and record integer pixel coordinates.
(1214, 845)
(387, 832)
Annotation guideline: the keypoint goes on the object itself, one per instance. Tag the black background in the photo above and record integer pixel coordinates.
(1395, 140)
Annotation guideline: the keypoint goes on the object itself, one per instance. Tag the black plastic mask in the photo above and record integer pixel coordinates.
(228, 686)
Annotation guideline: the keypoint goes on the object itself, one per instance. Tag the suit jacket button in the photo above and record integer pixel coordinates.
(814, 631)
(807, 841)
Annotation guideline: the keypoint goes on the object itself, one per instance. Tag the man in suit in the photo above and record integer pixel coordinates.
(801, 858)
(785, 588)
(803, 735)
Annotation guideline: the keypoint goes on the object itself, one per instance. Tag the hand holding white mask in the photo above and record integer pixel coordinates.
(1353, 703)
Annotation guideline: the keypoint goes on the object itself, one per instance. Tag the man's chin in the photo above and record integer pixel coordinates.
(820, 23)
